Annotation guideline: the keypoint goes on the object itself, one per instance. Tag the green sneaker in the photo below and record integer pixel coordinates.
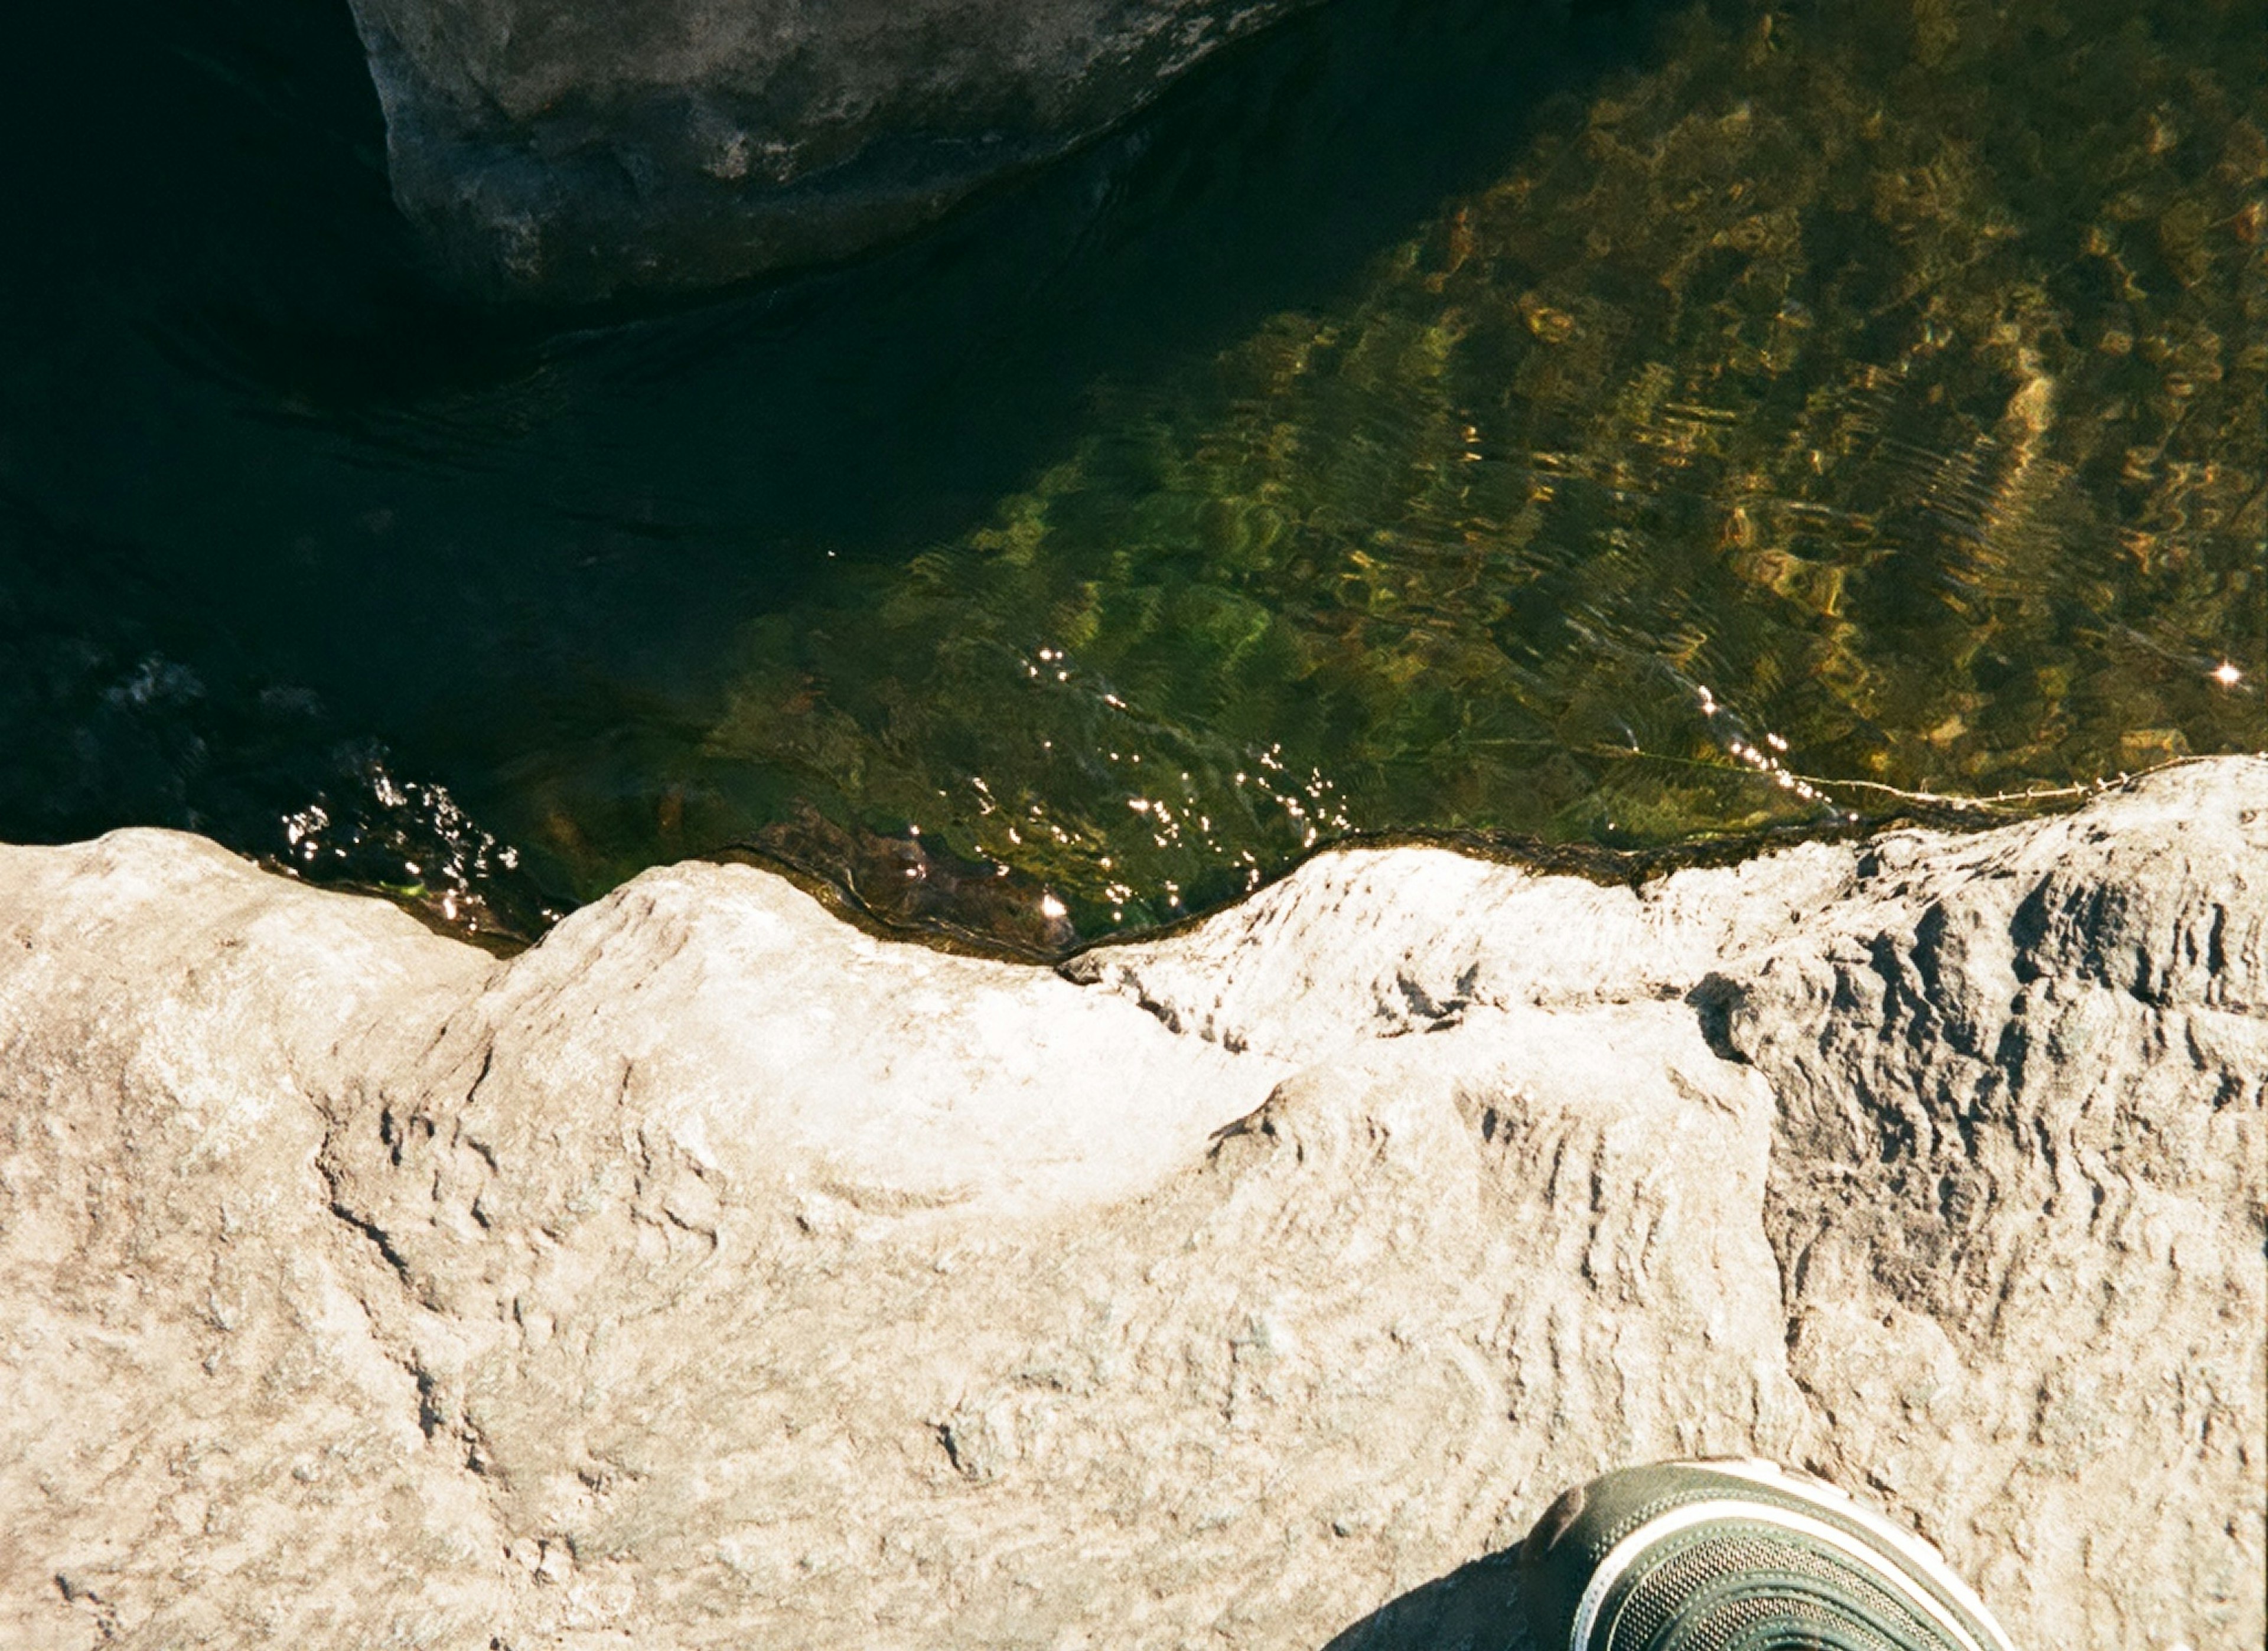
(1738, 1555)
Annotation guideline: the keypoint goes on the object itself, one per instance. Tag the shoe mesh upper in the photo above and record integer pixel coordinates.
(1728, 1587)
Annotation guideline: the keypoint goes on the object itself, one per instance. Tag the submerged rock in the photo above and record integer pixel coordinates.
(570, 150)
(714, 1273)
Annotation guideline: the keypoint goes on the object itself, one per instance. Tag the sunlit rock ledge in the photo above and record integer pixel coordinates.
(716, 1274)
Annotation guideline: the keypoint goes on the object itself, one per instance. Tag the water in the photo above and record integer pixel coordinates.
(1664, 427)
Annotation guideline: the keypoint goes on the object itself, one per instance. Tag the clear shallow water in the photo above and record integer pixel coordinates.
(1682, 425)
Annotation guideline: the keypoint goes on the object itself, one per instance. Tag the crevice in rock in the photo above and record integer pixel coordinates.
(380, 1238)
(1712, 1001)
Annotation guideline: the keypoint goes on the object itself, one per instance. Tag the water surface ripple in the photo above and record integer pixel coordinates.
(1624, 428)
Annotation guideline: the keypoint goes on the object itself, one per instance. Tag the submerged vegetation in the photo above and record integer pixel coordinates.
(1854, 402)
(1639, 425)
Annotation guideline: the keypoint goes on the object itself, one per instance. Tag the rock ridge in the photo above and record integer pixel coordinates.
(715, 1274)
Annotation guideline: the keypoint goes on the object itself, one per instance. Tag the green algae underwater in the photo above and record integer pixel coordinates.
(1854, 406)
(1800, 418)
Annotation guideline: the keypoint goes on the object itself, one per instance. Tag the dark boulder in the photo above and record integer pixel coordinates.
(572, 149)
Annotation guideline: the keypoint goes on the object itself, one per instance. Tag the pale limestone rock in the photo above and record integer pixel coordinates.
(715, 1274)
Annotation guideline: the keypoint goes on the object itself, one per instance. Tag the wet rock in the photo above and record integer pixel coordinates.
(714, 1273)
(913, 885)
(568, 150)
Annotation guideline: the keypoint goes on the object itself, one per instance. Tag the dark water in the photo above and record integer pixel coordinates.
(1630, 428)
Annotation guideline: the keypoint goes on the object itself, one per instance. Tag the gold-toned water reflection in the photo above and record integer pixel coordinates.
(1857, 408)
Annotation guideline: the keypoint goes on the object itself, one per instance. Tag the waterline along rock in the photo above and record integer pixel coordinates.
(715, 1274)
(566, 149)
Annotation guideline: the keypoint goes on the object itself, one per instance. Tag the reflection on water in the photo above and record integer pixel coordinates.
(1857, 404)
(1792, 414)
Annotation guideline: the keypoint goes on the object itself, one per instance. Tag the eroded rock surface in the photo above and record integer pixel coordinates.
(569, 148)
(715, 1274)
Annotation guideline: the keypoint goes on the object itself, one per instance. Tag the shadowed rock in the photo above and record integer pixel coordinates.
(715, 1274)
(569, 148)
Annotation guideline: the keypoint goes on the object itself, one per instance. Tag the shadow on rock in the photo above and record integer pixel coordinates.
(1474, 1608)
